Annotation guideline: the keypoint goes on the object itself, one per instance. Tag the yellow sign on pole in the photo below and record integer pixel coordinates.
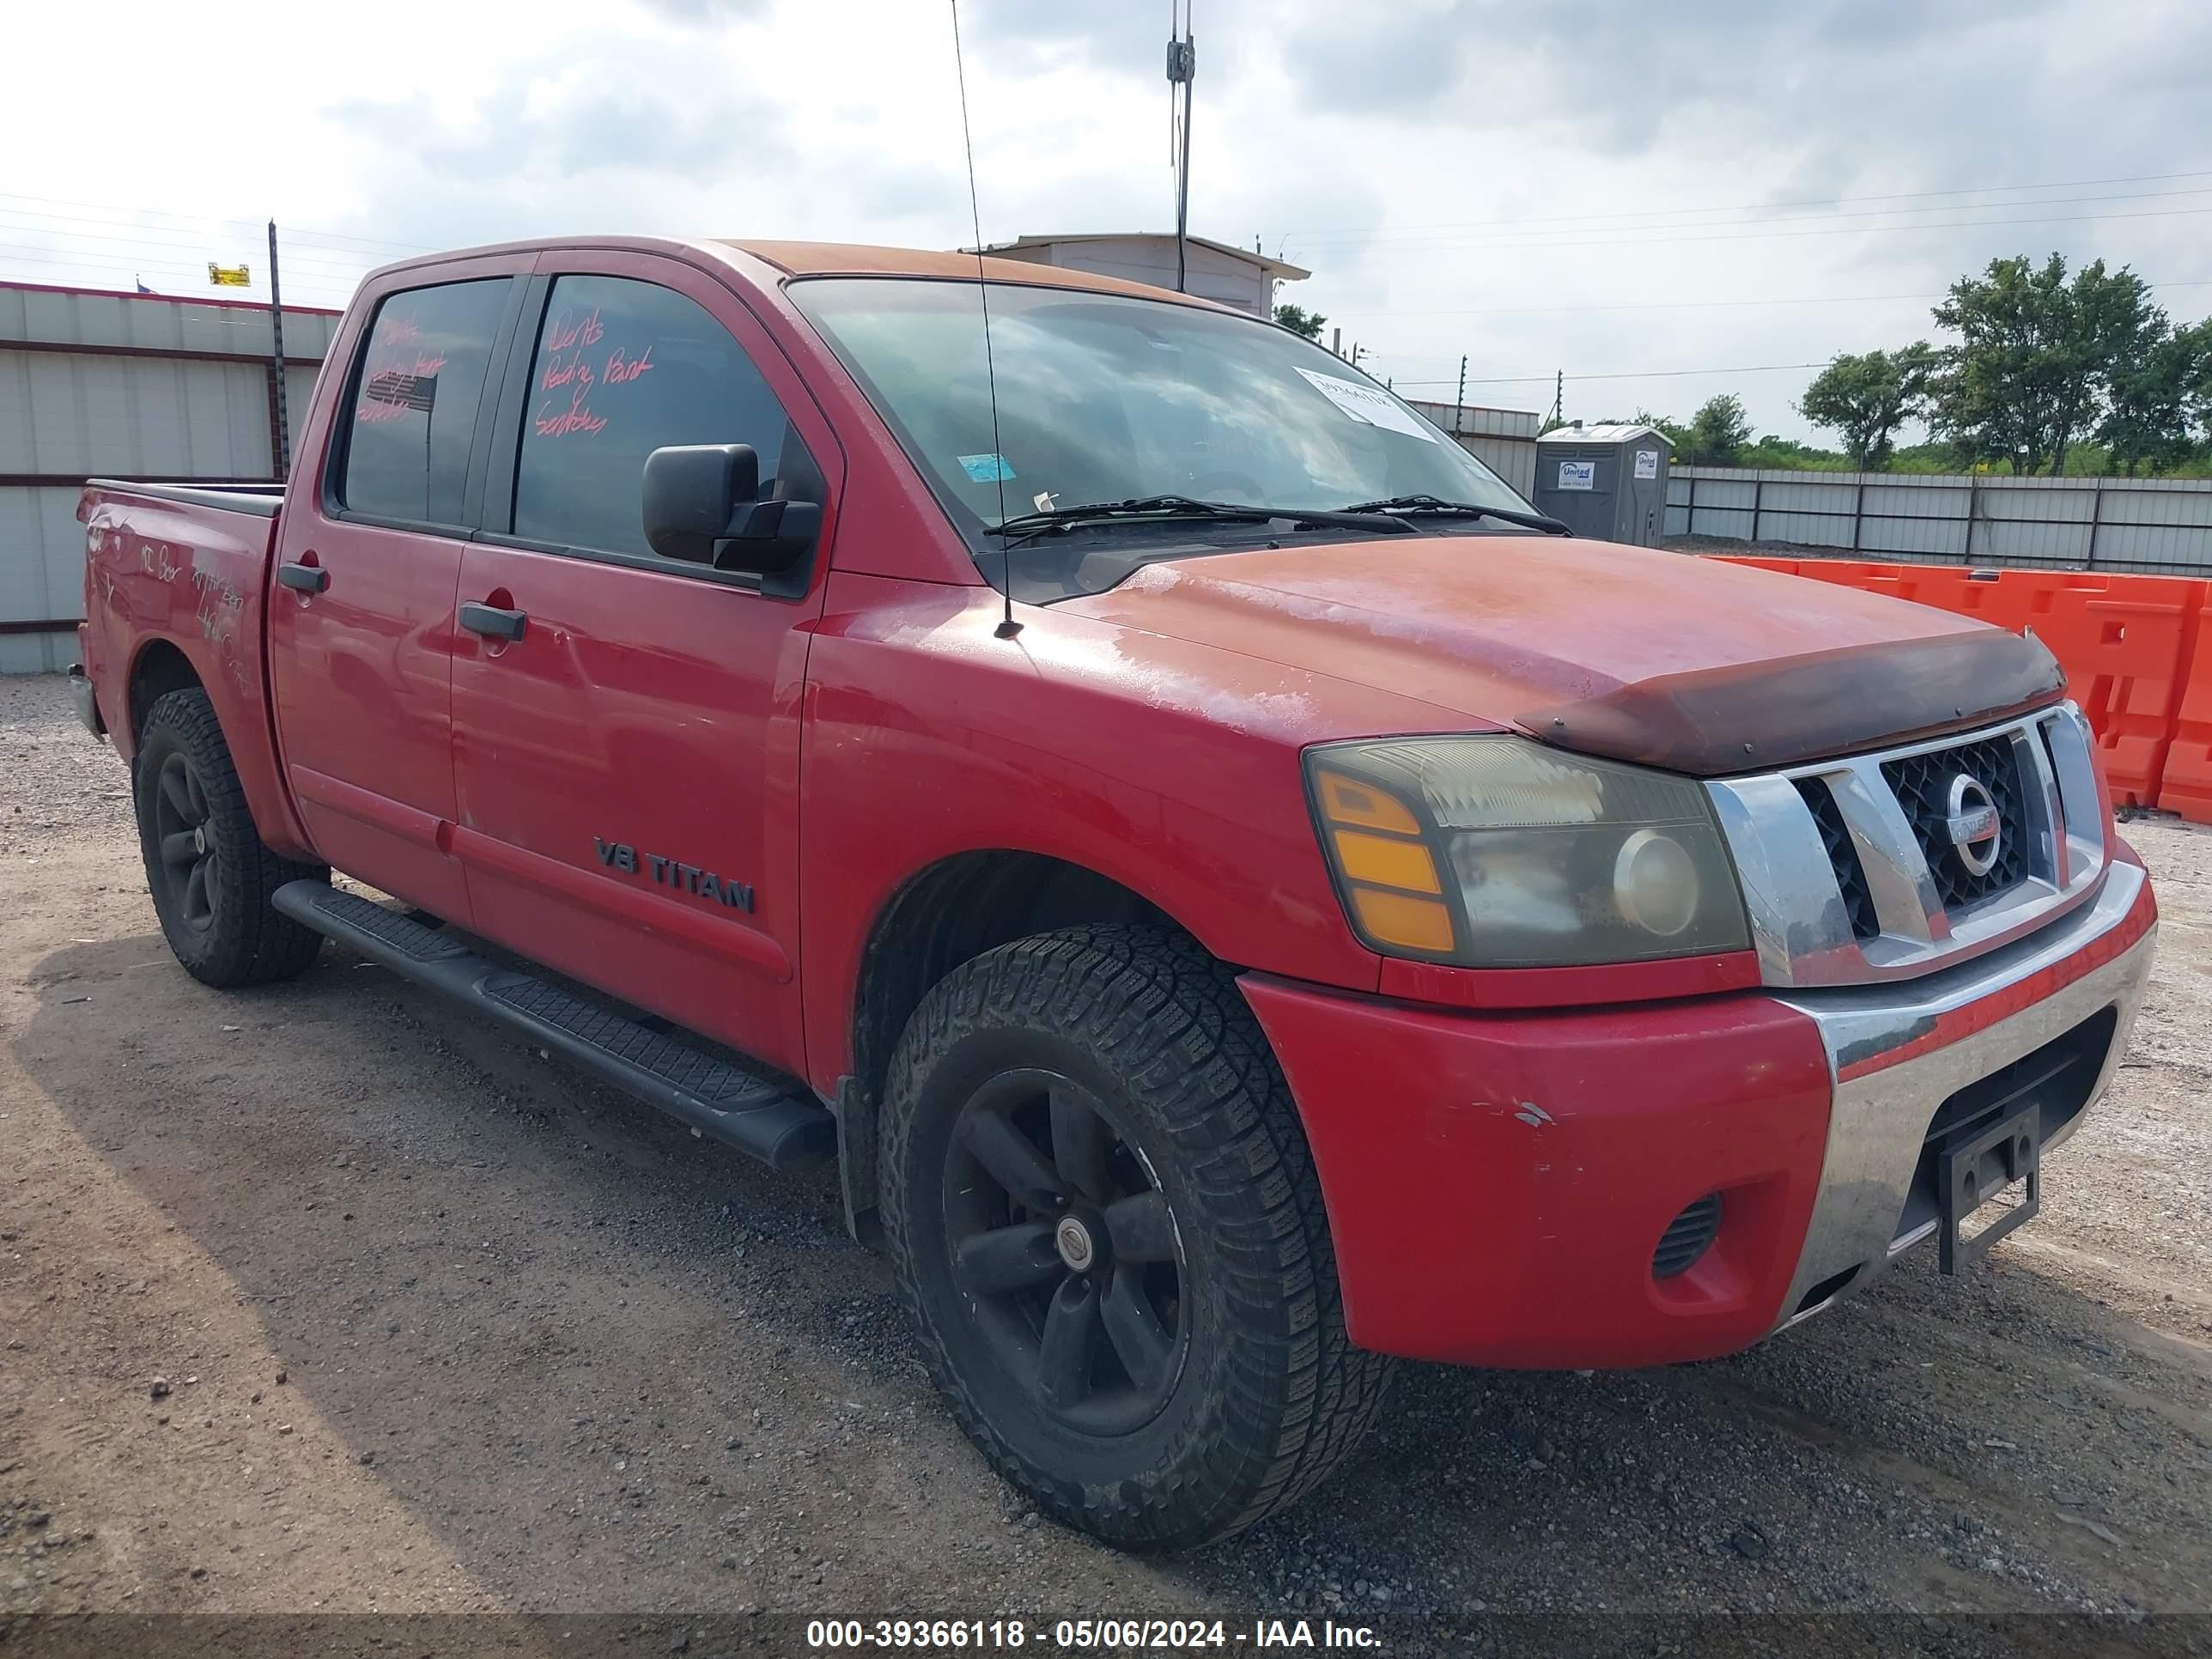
(230, 276)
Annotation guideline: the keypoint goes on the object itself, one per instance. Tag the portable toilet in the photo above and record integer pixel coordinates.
(1607, 483)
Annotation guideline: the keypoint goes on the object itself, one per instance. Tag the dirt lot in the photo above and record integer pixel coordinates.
(444, 1328)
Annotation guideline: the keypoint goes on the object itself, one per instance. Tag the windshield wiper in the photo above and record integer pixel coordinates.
(1027, 526)
(1437, 504)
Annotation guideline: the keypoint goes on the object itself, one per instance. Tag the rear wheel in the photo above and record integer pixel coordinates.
(1106, 1224)
(209, 872)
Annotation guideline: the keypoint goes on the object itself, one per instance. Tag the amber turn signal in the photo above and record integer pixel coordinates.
(1415, 924)
(1349, 800)
(1389, 876)
(1387, 862)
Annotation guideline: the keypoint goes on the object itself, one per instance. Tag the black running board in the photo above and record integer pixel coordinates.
(754, 1111)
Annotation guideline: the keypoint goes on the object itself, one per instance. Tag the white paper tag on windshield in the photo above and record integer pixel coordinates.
(1369, 406)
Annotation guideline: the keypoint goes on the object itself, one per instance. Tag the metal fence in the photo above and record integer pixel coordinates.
(141, 386)
(2157, 525)
(1504, 440)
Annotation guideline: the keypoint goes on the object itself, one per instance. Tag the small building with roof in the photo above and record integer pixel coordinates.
(1237, 276)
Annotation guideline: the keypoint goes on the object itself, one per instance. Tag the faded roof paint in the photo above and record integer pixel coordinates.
(818, 259)
(862, 259)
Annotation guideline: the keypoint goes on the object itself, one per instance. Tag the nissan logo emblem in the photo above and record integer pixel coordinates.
(1975, 828)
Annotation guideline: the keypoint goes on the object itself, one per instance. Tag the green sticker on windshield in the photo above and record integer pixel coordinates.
(986, 469)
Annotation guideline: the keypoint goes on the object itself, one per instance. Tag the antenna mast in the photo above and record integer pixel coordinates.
(1008, 627)
(1182, 70)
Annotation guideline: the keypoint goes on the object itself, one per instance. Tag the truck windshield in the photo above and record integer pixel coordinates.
(1107, 398)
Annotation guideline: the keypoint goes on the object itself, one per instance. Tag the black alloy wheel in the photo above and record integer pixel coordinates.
(209, 871)
(191, 867)
(1105, 1222)
(1062, 1236)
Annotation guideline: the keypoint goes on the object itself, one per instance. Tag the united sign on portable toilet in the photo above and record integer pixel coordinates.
(1609, 483)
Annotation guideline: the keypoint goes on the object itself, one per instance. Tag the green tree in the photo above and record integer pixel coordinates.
(1866, 397)
(2157, 397)
(1716, 434)
(1300, 321)
(2035, 356)
(2200, 389)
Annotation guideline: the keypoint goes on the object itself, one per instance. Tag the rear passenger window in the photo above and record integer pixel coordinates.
(622, 368)
(415, 402)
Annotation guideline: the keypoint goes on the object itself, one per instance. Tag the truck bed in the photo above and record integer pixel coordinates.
(262, 500)
(181, 571)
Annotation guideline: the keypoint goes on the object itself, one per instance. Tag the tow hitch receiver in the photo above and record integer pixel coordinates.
(1980, 1167)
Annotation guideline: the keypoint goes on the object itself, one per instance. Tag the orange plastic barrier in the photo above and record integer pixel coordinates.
(1963, 592)
(2186, 787)
(2137, 652)
(2120, 640)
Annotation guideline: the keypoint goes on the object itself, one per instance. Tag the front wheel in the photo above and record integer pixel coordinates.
(1106, 1224)
(209, 873)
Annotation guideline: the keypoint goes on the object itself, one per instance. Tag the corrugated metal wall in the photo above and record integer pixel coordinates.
(129, 385)
(1503, 439)
(2157, 525)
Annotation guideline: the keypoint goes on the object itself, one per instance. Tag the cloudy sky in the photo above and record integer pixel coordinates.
(1662, 202)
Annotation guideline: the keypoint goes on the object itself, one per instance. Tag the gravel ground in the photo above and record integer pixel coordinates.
(440, 1327)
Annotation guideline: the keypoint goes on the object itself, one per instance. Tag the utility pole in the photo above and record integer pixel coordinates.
(1459, 402)
(1336, 342)
(1560, 397)
(283, 434)
(1182, 70)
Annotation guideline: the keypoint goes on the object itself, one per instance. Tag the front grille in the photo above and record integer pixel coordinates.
(1843, 856)
(1848, 872)
(1923, 784)
(1686, 1236)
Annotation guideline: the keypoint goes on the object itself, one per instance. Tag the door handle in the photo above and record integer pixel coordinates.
(493, 622)
(304, 577)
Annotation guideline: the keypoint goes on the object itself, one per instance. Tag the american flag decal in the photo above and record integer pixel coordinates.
(392, 386)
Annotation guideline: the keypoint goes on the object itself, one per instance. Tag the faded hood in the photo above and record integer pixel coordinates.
(1660, 657)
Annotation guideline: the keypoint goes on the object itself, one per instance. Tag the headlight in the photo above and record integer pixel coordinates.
(1499, 853)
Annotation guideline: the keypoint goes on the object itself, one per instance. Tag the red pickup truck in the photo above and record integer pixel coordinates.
(1241, 896)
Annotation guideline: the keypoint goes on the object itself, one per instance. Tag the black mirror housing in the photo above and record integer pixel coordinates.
(701, 507)
(769, 536)
(692, 494)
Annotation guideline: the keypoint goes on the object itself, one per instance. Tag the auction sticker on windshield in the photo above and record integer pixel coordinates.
(1369, 406)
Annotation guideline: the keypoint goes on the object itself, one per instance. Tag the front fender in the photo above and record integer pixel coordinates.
(1168, 767)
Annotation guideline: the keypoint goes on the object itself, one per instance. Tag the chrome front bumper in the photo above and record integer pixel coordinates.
(1879, 1120)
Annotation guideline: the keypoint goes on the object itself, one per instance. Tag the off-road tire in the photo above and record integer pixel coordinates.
(1272, 1396)
(242, 940)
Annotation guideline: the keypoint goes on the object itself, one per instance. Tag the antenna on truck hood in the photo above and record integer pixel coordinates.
(1008, 627)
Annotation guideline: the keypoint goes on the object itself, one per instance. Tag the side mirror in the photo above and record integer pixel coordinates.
(769, 537)
(699, 506)
(690, 492)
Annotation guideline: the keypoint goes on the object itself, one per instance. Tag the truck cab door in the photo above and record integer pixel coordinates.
(626, 725)
(368, 559)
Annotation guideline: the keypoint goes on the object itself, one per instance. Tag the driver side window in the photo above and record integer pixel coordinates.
(622, 368)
